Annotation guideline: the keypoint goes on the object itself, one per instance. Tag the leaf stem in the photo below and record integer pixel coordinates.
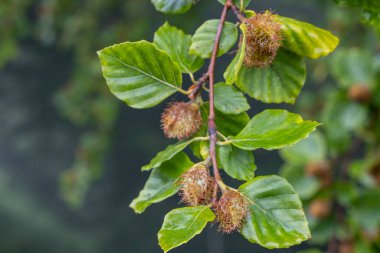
(238, 14)
(201, 81)
(211, 119)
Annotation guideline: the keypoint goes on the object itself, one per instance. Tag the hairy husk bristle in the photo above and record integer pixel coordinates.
(231, 210)
(197, 186)
(181, 120)
(263, 39)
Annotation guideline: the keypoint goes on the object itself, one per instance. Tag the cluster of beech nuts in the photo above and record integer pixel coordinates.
(197, 188)
(181, 120)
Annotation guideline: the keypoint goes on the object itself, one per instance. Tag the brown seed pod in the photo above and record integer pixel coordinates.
(231, 210)
(197, 186)
(320, 208)
(181, 120)
(347, 246)
(263, 39)
(360, 93)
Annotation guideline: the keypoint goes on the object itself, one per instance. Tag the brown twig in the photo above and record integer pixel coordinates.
(211, 119)
(198, 85)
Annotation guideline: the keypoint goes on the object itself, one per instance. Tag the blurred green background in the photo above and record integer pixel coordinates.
(70, 152)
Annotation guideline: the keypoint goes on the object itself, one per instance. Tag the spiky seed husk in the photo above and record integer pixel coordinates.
(231, 210)
(320, 208)
(181, 120)
(263, 39)
(197, 186)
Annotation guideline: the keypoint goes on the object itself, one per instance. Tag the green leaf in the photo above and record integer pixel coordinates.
(233, 69)
(273, 129)
(310, 251)
(140, 74)
(241, 4)
(306, 150)
(237, 163)
(276, 218)
(202, 42)
(177, 44)
(162, 182)
(280, 82)
(229, 100)
(172, 6)
(167, 154)
(182, 224)
(305, 39)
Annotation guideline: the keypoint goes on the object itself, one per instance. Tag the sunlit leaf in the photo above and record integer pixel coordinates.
(167, 154)
(140, 74)
(305, 39)
(276, 218)
(182, 224)
(162, 182)
(273, 129)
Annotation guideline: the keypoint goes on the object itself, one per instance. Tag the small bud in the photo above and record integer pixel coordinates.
(181, 120)
(360, 93)
(263, 39)
(320, 208)
(347, 246)
(231, 210)
(197, 186)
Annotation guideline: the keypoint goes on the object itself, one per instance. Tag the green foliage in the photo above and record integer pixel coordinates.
(269, 211)
(281, 82)
(182, 224)
(140, 74)
(276, 218)
(162, 182)
(305, 39)
(172, 6)
(230, 100)
(202, 42)
(177, 44)
(273, 129)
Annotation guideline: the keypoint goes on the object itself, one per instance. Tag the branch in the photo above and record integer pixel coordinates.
(211, 119)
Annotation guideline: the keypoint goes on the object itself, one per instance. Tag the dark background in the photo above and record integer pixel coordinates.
(37, 144)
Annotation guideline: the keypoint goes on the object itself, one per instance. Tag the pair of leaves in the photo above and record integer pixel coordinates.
(284, 79)
(275, 220)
